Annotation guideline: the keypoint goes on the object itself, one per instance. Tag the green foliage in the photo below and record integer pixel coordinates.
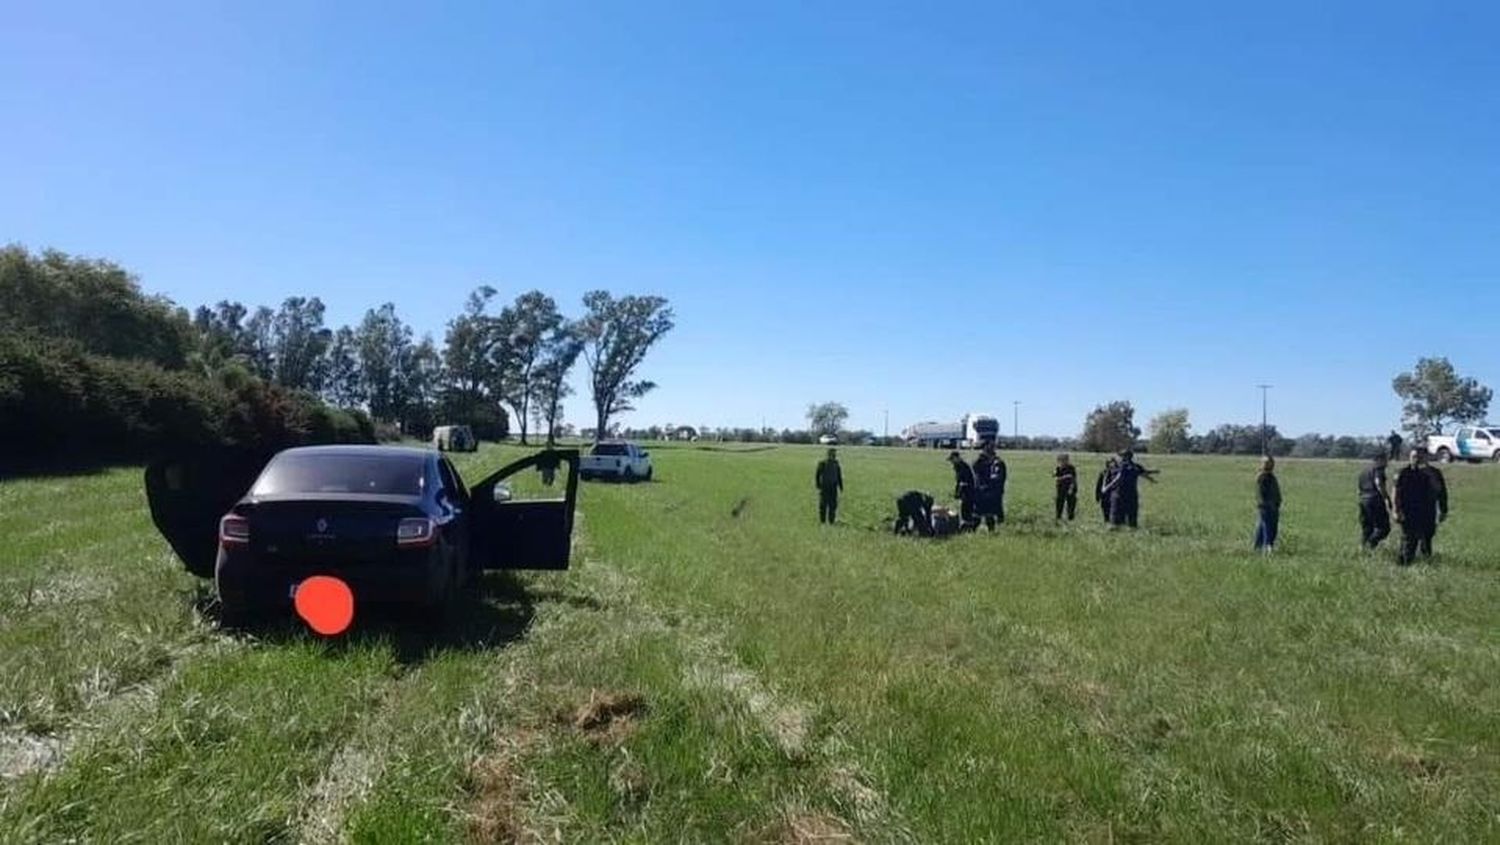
(94, 303)
(827, 417)
(61, 404)
(1170, 431)
(617, 334)
(1434, 395)
(1110, 428)
(535, 319)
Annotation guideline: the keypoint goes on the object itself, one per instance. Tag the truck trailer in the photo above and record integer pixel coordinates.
(970, 432)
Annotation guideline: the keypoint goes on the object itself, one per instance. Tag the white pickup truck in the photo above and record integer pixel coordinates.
(616, 460)
(1473, 443)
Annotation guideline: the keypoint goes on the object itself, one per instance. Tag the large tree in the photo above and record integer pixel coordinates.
(383, 343)
(259, 339)
(617, 334)
(551, 378)
(342, 384)
(1169, 431)
(298, 341)
(1434, 395)
(532, 319)
(1110, 428)
(827, 417)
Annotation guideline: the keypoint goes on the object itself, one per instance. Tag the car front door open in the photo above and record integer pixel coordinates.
(514, 527)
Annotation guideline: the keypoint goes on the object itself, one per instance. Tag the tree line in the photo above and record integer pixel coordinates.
(154, 372)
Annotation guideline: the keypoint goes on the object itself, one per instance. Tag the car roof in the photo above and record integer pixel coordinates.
(362, 449)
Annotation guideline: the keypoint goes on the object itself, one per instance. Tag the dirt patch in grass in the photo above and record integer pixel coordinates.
(807, 829)
(22, 753)
(496, 810)
(608, 718)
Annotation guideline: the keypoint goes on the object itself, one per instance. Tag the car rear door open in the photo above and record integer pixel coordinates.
(190, 490)
(515, 528)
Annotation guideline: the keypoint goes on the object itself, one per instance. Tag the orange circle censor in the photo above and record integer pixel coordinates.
(326, 604)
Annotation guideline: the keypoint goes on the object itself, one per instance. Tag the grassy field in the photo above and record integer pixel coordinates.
(718, 666)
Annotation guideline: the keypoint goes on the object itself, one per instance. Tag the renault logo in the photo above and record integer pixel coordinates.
(323, 526)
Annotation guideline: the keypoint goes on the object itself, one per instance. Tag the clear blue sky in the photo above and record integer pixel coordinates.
(921, 208)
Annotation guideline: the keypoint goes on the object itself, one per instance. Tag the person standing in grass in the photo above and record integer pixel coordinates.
(1124, 492)
(989, 486)
(1065, 477)
(1416, 507)
(1101, 486)
(829, 479)
(963, 488)
(1374, 504)
(1268, 504)
(1440, 498)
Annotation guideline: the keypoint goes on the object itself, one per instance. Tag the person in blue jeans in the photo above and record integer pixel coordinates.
(1268, 504)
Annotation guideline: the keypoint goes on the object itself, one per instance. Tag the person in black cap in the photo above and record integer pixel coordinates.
(829, 479)
(963, 488)
(1374, 504)
(1124, 490)
(1065, 477)
(989, 486)
(1394, 442)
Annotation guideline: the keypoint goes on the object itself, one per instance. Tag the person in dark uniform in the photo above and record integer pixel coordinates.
(1416, 506)
(829, 479)
(1267, 505)
(1124, 490)
(1440, 495)
(1374, 504)
(1394, 442)
(913, 514)
(1101, 485)
(989, 486)
(1065, 477)
(963, 489)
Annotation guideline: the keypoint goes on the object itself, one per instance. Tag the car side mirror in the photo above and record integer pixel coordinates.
(503, 493)
(645, 454)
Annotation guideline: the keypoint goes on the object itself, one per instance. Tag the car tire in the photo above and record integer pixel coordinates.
(1496, 456)
(629, 476)
(1444, 456)
(650, 472)
(234, 613)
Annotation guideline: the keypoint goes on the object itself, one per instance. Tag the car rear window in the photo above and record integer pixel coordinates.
(611, 449)
(399, 475)
(1494, 432)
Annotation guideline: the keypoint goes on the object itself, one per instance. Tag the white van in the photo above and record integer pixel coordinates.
(454, 438)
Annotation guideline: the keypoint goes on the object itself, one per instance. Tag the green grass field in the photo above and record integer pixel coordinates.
(717, 666)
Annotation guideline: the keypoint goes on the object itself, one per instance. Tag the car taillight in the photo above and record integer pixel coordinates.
(418, 531)
(234, 530)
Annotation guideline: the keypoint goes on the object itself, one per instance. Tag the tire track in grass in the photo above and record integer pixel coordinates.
(786, 720)
(24, 753)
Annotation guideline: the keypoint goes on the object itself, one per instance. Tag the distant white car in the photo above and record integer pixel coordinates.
(1466, 443)
(828, 440)
(617, 460)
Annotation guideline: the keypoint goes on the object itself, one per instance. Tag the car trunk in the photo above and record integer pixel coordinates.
(316, 532)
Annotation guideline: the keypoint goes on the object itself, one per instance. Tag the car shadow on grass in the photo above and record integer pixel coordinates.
(490, 618)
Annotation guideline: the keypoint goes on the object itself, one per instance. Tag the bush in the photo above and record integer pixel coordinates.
(62, 405)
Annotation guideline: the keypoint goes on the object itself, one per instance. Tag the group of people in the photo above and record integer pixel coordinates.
(980, 491)
(1417, 501)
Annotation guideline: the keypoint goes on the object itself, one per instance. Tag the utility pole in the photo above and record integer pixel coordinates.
(1015, 421)
(1265, 443)
(887, 424)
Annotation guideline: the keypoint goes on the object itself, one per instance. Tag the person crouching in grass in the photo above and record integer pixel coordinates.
(1268, 503)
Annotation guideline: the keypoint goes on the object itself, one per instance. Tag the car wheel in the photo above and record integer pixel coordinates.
(1496, 456)
(629, 476)
(1444, 456)
(650, 471)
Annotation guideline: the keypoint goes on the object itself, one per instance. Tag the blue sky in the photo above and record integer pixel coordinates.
(926, 209)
